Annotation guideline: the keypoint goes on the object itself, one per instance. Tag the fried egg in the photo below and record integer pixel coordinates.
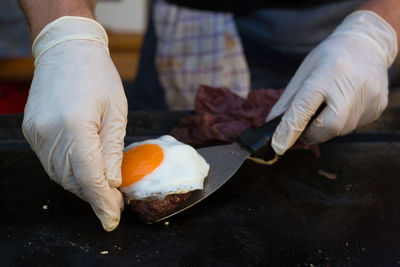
(160, 167)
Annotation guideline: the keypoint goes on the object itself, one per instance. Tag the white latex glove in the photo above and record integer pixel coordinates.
(347, 71)
(75, 118)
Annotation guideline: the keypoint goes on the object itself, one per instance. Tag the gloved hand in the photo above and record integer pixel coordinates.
(75, 118)
(347, 71)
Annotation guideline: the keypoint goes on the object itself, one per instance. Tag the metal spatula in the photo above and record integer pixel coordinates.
(225, 160)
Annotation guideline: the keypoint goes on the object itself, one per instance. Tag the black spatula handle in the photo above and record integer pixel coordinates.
(254, 138)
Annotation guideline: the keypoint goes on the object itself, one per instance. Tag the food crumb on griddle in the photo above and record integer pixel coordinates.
(166, 223)
(348, 187)
(328, 175)
(45, 207)
(104, 252)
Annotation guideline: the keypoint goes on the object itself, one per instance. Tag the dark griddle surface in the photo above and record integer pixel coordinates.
(285, 214)
(280, 215)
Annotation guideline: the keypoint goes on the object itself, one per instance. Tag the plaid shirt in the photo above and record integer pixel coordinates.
(197, 47)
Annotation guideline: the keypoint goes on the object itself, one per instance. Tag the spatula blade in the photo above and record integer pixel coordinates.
(224, 161)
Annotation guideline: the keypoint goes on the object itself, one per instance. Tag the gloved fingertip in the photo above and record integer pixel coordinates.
(109, 224)
(279, 150)
(276, 110)
(279, 139)
(110, 218)
(285, 136)
(271, 116)
(109, 221)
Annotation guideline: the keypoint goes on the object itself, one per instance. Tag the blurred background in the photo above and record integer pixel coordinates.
(124, 20)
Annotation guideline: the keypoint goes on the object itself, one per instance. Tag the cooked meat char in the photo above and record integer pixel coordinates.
(153, 208)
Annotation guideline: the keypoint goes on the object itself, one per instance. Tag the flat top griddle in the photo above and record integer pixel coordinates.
(286, 214)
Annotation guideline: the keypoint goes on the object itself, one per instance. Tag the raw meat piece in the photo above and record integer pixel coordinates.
(221, 116)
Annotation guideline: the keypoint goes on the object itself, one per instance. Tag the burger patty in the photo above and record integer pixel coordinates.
(150, 209)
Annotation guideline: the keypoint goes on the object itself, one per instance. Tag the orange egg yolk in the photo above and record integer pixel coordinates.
(140, 161)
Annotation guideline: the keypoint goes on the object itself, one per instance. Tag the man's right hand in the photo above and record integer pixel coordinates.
(75, 118)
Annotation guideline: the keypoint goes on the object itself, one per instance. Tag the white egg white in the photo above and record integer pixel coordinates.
(181, 170)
